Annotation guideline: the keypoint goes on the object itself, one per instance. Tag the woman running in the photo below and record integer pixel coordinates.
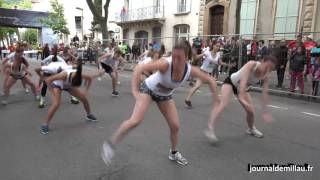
(9, 59)
(210, 65)
(109, 62)
(17, 69)
(66, 79)
(170, 74)
(251, 73)
(45, 62)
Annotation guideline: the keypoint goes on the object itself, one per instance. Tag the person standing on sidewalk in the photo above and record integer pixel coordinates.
(297, 68)
(282, 55)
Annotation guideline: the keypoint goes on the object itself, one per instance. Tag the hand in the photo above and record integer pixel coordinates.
(267, 117)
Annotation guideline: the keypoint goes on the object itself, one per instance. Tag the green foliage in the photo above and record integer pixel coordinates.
(21, 4)
(56, 20)
(31, 36)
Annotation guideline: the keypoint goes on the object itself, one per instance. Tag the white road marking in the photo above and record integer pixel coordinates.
(317, 115)
(277, 107)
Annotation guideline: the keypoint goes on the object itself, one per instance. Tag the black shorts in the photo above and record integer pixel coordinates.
(108, 69)
(234, 88)
(157, 98)
(17, 77)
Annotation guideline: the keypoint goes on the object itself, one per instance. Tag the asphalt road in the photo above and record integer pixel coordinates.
(71, 151)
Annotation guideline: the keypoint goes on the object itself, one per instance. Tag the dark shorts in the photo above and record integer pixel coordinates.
(108, 69)
(157, 98)
(58, 87)
(17, 77)
(234, 88)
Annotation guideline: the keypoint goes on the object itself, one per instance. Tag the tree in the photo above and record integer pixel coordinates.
(96, 10)
(31, 36)
(56, 20)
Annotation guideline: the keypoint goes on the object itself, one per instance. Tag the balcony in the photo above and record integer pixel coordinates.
(145, 14)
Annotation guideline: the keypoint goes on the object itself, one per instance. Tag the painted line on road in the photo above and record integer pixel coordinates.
(277, 107)
(311, 114)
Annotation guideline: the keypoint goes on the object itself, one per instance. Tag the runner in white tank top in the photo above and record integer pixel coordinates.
(170, 74)
(210, 64)
(68, 80)
(238, 82)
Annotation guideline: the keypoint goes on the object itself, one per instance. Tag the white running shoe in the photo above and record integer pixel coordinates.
(99, 78)
(211, 136)
(107, 153)
(4, 102)
(255, 132)
(178, 158)
(118, 82)
(27, 91)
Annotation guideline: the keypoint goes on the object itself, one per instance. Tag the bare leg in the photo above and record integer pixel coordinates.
(169, 111)
(56, 99)
(226, 91)
(194, 89)
(9, 83)
(76, 92)
(26, 80)
(140, 108)
(249, 110)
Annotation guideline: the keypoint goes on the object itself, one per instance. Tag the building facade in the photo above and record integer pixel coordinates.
(158, 21)
(270, 19)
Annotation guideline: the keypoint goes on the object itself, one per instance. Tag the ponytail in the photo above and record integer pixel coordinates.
(55, 53)
(77, 79)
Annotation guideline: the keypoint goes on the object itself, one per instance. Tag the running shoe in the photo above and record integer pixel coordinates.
(188, 104)
(41, 103)
(74, 100)
(26, 91)
(44, 129)
(211, 136)
(115, 93)
(99, 78)
(91, 118)
(178, 158)
(107, 153)
(4, 102)
(118, 82)
(255, 132)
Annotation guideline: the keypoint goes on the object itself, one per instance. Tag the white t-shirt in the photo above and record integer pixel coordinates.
(54, 67)
(210, 62)
(48, 60)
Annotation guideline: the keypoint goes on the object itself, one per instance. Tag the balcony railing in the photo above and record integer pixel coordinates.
(145, 13)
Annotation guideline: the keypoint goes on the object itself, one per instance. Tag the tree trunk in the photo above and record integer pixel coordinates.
(8, 42)
(238, 13)
(104, 31)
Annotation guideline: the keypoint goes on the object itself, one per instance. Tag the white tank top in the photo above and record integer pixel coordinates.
(66, 84)
(20, 72)
(162, 83)
(235, 77)
(53, 67)
(210, 62)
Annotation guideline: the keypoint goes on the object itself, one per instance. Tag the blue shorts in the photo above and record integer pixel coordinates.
(157, 98)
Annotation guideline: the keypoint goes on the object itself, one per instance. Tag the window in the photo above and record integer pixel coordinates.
(182, 6)
(247, 16)
(181, 32)
(286, 17)
(157, 6)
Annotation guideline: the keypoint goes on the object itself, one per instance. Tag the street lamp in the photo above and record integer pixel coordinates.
(81, 20)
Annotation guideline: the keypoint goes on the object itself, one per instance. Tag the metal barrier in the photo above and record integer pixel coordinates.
(241, 48)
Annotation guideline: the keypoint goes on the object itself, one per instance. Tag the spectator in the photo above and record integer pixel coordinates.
(314, 51)
(197, 44)
(262, 50)
(135, 51)
(45, 51)
(297, 67)
(282, 56)
(315, 72)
